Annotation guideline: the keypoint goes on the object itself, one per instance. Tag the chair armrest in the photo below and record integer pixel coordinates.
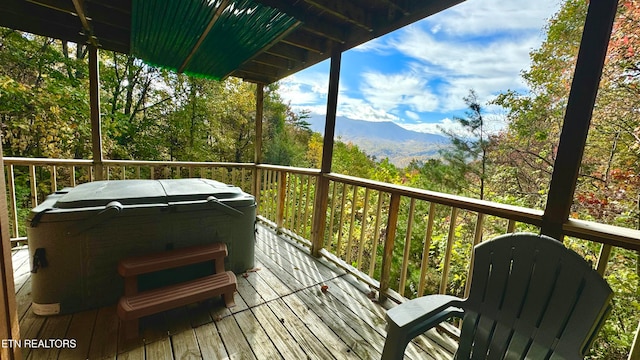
(419, 315)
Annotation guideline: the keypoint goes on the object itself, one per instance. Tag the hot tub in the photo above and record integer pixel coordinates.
(77, 236)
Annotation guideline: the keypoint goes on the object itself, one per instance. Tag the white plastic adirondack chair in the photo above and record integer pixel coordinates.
(530, 298)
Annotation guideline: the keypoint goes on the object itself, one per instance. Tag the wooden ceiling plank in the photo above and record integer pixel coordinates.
(346, 11)
(40, 27)
(263, 70)
(307, 41)
(59, 5)
(254, 78)
(214, 19)
(288, 52)
(274, 61)
(310, 22)
(108, 16)
(396, 6)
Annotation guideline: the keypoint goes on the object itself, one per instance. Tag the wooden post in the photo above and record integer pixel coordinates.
(257, 157)
(94, 95)
(593, 49)
(322, 187)
(387, 255)
(9, 324)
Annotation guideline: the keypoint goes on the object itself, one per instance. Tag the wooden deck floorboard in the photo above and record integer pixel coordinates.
(280, 313)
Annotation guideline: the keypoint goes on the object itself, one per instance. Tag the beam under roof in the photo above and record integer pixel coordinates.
(322, 26)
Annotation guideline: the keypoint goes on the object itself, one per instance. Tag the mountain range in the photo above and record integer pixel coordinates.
(384, 139)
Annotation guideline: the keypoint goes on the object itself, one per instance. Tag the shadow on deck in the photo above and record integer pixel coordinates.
(280, 312)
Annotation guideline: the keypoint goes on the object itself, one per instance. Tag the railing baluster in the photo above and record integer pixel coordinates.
(124, 172)
(634, 354)
(425, 250)
(299, 208)
(242, 179)
(447, 255)
(73, 176)
(376, 235)
(341, 222)
(305, 225)
(407, 248)
(34, 186)
(282, 196)
(54, 178)
(333, 210)
(292, 182)
(274, 191)
(354, 200)
(603, 259)
(511, 226)
(387, 255)
(12, 201)
(257, 189)
(363, 227)
(477, 238)
(267, 191)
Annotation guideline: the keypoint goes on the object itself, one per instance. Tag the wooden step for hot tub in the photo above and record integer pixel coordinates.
(133, 305)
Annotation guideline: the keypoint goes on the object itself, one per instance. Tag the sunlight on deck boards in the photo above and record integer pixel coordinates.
(280, 313)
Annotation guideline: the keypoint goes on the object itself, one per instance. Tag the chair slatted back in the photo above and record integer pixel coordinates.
(530, 295)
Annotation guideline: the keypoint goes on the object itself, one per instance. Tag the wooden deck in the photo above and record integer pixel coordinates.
(280, 312)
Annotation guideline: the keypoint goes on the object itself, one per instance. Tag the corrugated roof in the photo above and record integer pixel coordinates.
(257, 40)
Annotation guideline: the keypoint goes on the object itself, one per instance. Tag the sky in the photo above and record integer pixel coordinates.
(418, 76)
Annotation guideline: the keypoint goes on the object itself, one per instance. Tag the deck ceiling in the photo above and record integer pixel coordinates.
(259, 41)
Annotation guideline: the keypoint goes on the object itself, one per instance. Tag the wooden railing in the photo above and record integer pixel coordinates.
(45, 176)
(402, 241)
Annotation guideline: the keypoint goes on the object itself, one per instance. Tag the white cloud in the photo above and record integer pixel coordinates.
(360, 109)
(463, 65)
(412, 115)
(305, 88)
(436, 128)
(474, 17)
(389, 91)
(479, 44)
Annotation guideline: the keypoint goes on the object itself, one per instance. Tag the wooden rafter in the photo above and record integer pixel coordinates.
(346, 11)
(78, 5)
(323, 25)
(223, 5)
(269, 45)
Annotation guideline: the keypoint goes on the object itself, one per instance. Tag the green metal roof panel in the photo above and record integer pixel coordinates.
(243, 28)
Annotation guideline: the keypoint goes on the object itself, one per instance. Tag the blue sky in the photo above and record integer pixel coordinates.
(417, 76)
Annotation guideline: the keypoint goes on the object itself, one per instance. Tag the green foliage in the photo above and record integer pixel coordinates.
(468, 153)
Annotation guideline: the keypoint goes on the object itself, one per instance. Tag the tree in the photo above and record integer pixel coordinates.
(468, 154)
(607, 190)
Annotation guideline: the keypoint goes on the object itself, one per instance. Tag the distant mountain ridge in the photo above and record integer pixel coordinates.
(347, 128)
(384, 139)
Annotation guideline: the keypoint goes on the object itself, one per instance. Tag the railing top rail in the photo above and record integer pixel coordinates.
(517, 213)
(290, 169)
(85, 162)
(175, 163)
(45, 161)
(607, 234)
